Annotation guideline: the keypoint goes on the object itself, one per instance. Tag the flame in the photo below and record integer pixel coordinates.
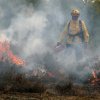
(94, 74)
(95, 79)
(16, 60)
(7, 54)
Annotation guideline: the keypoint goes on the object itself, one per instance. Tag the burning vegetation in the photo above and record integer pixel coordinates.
(7, 54)
(47, 82)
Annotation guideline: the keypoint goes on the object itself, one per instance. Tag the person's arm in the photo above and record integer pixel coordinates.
(85, 32)
(63, 34)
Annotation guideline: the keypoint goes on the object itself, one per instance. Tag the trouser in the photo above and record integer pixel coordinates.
(78, 49)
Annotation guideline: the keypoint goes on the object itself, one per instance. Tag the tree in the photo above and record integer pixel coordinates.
(94, 14)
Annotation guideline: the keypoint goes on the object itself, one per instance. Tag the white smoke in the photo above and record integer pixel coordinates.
(36, 31)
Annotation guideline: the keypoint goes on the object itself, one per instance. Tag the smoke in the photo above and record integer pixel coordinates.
(32, 29)
(35, 31)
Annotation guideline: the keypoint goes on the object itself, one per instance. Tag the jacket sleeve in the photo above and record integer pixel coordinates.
(85, 31)
(63, 34)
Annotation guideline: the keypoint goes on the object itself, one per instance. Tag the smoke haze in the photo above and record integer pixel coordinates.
(35, 30)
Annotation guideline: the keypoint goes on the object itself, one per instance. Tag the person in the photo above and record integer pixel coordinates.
(76, 34)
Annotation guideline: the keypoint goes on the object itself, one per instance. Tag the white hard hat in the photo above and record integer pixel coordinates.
(75, 12)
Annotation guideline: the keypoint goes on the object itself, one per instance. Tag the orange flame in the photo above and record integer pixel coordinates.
(95, 79)
(94, 74)
(16, 60)
(6, 53)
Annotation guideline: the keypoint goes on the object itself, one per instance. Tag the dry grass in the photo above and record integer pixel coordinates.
(32, 96)
(16, 86)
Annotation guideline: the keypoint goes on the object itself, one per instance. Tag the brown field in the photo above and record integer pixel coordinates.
(19, 86)
(32, 96)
